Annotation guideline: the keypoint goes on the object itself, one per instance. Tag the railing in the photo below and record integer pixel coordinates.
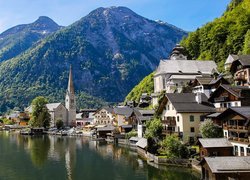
(169, 122)
(221, 99)
(242, 140)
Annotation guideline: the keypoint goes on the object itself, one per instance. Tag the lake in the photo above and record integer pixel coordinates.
(73, 158)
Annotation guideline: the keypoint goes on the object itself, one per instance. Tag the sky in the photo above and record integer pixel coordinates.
(185, 14)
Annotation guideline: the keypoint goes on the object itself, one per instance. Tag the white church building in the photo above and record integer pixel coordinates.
(58, 111)
(174, 73)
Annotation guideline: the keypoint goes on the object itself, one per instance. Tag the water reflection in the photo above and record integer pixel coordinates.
(53, 157)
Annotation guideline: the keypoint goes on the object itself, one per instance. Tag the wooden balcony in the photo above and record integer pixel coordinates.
(235, 128)
(169, 122)
(239, 140)
(221, 99)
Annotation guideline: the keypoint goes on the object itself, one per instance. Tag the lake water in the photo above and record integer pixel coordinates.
(73, 158)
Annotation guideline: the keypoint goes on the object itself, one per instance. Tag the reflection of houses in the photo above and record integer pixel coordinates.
(104, 116)
(215, 147)
(236, 128)
(230, 96)
(171, 75)
(241, 70)
(227, 167)
(181, 113)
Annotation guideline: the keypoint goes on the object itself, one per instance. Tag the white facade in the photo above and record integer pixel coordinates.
(70, 101)
(57, 112)
(103, 117)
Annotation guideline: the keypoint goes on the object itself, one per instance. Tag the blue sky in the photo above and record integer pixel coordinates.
(186, 14)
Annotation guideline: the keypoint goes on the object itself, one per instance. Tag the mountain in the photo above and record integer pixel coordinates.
(227, 34)
(110, 50)
(17, 39)
(223, 36)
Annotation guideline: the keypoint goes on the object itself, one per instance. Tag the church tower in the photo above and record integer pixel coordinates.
(70, 101)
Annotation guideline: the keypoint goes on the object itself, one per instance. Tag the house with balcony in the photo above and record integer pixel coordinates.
(207, 84)
(226, 96)
(240, 69)
(182, 113)
(104, 116)
(124, 118)
(236, 127)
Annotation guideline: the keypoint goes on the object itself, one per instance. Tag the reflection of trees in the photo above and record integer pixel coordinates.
(39, 148)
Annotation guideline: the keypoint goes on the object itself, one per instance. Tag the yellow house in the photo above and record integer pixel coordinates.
(182, 113)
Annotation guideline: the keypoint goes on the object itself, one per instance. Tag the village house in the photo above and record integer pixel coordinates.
(173, 74)
(226, 96)
(57, 112)
(230, 59)
(104, 116)
(207, 85)
(215, 147)
(226, 167)
(182, 113)
(236, 128)
(240, 68)
(143, 116)
(124, 118)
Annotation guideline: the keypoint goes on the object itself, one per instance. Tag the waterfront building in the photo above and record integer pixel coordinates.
(57, 112)
(236, 128)
(226, 167)
(215, 147)
(104, 116)
(182, 113)
(70, 101)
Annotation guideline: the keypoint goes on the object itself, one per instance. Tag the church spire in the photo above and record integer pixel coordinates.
(70, 82)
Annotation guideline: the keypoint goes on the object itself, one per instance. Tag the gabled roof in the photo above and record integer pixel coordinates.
(185, 66)
(52, 106)
(243, 60)
(238, 91)
(215, 142)
(231, 58)
(108, 109)
(125, 111)
(228, 164)
(186, 102)
(204, 80)
(242, 111)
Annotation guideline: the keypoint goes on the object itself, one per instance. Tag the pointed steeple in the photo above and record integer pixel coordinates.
(70, 82)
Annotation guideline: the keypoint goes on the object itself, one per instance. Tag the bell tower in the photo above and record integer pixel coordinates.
(70, 101)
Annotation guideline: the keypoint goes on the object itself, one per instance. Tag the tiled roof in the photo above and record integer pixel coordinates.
(226, 164)
(215, 142)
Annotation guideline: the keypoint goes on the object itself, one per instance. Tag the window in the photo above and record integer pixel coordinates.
(191, 117)
(242, 150)
(168, 107)
(191, 139)
(236, 103)
(178, 118)
(236, 150)
(172, 107)
(225, 134)
(192, 129)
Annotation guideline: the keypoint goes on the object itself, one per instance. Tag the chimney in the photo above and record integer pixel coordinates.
(198, 97)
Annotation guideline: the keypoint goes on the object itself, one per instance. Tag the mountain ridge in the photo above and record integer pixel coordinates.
(110, 50)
